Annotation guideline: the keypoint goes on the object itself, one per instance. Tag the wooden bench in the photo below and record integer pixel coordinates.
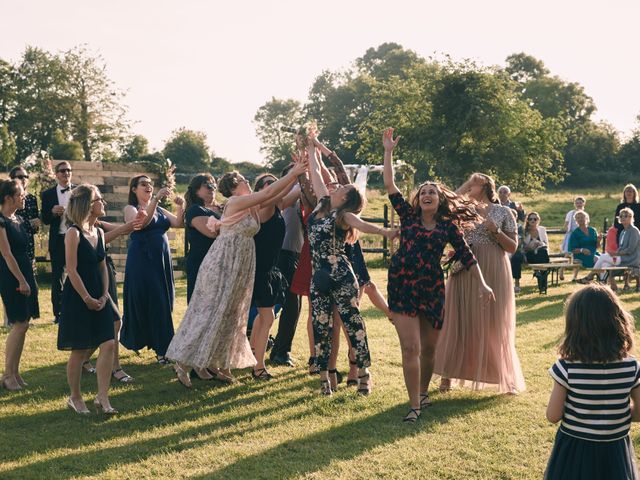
(554, 268)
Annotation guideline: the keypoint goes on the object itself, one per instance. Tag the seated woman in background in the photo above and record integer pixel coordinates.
(536, 247)
(583, 242)
(628, 253)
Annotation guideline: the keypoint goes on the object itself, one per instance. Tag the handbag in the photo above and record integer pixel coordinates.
(322, 281)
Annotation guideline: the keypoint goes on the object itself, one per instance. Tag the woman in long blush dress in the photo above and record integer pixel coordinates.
(477, 342)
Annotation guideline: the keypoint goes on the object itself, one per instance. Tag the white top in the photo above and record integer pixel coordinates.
(63, 199)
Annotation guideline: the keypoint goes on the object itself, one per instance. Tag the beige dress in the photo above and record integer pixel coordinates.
(477, 343)
(213, 331)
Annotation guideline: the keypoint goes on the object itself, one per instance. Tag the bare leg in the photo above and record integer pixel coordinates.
(13, 353)
(74, 374)
(428, 341)
(408, 329)
(259, 335)
(376, 297)
(103, 372)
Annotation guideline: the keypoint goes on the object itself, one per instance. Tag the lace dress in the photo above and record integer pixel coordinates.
(213, 331)
(477, 343)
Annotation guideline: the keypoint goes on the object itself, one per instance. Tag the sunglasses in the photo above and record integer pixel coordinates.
(210, 186)
(99, 199)
(64, 170)
(144, 183)
(624, 215)
(533, 219)
(22, 177)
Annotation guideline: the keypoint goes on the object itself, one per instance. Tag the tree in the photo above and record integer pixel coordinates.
(628, 157)
(220, 166)
(188, 150)
(7, 91)
(97, 119)
(524, 68)
(590, 156)
(277, 146)
(65, 149)
(136, 147)
(7, 147)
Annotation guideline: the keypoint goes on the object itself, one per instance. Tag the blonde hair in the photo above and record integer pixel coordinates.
(79, 207)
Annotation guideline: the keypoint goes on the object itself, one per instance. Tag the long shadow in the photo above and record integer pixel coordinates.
(545, 312)
(300, 457)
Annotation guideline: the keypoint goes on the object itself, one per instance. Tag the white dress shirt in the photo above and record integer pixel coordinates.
(63, 200)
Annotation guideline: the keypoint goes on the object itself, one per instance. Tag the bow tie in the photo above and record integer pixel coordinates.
(63, 190)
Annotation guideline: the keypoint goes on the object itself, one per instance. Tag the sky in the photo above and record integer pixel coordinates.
(209, 65)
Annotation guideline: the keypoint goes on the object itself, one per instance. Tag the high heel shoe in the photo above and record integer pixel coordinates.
(21, 382)
(334, 371)
(412, 416)
(325, 388)
(72, 406)
(183, 377)
(105, 410)
(12, 387)
(198, 374)
(313, 368)
(352, 382)
(364, 384)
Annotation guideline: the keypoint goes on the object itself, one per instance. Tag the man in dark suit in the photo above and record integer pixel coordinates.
(54, 203)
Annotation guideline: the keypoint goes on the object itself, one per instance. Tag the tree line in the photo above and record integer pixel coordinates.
(517, 122)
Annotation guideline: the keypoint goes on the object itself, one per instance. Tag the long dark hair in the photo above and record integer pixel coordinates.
(597, 327)
(451, 206)
(191, 196)
(133, 200)
(261, 180)
(353, 203)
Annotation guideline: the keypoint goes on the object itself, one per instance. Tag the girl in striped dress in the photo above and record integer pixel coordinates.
(595, 390)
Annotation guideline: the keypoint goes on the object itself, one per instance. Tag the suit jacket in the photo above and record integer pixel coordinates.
(49, 199)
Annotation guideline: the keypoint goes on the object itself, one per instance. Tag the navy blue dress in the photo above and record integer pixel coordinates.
(199, 244)
(148, 288)
(269, 286)
(81, 328)
(19, 308)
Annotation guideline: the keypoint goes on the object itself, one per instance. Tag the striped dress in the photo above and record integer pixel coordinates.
(593, 438)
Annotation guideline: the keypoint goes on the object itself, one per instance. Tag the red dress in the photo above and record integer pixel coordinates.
(301, 282)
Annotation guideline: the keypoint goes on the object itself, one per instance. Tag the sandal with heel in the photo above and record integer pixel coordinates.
(364, 384)
(325, 388)
(412, 416)
(334, 371)
(424, 401)
(352, 382)
(261, 374)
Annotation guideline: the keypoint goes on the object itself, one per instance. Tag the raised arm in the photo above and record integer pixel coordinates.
(356, 222)
(242, 202)
(336, 163)
(315, 171)
(388, 175)
(114, 230)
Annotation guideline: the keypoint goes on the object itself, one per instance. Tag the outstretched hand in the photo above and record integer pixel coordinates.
(388, 141)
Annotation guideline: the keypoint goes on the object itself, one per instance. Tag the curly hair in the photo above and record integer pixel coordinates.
(597, 328)
(229, 182)
(353, 203)
(451, 206)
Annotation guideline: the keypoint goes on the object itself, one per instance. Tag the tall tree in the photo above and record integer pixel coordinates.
(134, 148)
(7, 147)
(188, 150)
(277, 146)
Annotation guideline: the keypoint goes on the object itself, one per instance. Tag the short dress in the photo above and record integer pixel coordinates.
(81, 328)
(19, 308)
(416, 281)
(301, 283)
(270, 286)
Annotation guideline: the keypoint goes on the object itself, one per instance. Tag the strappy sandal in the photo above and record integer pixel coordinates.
(124, 378)
(221, 377)
(87, 367)
(261, 374)
(162, 360)
(313, 368)
(334, 371)
(424, 401)
(352, 382)
(364, 384)
(412, 416)
(325, 388)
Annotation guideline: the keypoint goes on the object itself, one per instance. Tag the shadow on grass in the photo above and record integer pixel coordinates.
(547, 311)
(208, 414)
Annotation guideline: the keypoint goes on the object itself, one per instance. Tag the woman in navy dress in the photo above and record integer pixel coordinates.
(416, 290)
(85, 322)
(17, 284)
(148, 278)
(200, 205)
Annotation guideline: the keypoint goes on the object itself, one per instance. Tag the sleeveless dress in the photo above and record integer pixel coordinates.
(148, 288)
(301, 282)
(81, 328)
(270, 286)
(199, 244)
(477, 343)
(213, 331)
(19, 308)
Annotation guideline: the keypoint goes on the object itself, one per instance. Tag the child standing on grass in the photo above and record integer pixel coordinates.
(594, 393)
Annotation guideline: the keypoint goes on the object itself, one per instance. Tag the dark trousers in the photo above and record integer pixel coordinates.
(56, 252)
(516, 264)
(287, 263)
(541, 256)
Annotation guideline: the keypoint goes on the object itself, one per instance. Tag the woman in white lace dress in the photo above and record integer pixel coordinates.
(213, 332)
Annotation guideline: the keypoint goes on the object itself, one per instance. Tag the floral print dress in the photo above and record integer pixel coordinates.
(327, 243)
(416, 281)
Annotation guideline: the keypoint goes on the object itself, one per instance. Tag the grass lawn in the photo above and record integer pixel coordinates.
(283, 428)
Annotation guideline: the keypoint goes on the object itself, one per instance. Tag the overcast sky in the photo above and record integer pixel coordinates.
(209, 65)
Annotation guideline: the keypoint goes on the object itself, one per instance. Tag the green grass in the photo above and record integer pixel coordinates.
(284, 429)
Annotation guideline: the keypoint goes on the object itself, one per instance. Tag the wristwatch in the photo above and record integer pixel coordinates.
(498, 231)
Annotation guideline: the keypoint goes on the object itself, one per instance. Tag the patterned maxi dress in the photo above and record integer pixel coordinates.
(327, 242)
(477, 343)
(213, 331)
